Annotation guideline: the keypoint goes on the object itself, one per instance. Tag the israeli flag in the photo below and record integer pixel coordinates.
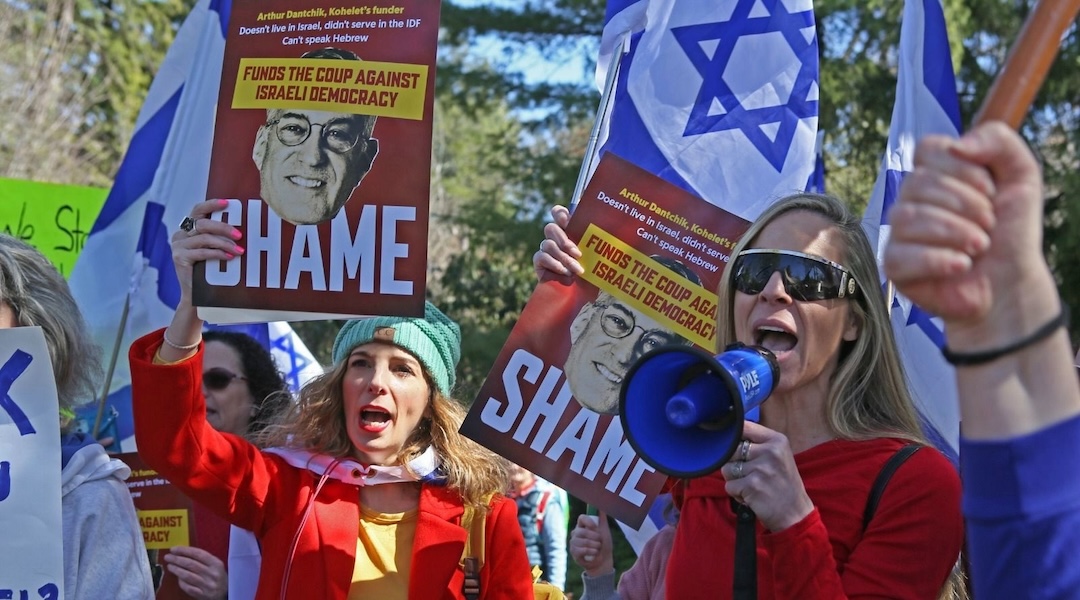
(719, 98)
(926, 103)
(127, 259)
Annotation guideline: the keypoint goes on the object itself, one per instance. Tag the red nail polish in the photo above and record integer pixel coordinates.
(239, 249)
(236, 234)
(222, 202)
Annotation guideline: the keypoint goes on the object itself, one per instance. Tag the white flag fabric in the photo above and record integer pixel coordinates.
(719, 98)
(926, 103)
(163, 173)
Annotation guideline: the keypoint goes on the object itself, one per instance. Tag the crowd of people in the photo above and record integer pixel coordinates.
(361, 486)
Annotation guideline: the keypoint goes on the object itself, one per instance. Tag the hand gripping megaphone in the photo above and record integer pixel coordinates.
(682, 409)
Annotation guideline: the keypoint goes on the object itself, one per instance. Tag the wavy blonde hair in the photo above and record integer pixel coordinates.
(868, 394)
(317, 423)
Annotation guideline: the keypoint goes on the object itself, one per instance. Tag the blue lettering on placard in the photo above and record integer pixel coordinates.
(12, 369)
(5, 480)
(49, 591)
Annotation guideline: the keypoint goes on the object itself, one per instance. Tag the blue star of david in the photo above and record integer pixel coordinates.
(296, 362)
(714, 88)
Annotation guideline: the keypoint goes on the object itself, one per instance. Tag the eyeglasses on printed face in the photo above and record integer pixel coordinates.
(618, 322)
(340, 136)
(217, 379)
(805, 276)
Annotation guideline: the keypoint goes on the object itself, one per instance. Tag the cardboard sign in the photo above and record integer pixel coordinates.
(53, 218)
(30, 510)
(168, 518)
(322, 147)
(653, 254)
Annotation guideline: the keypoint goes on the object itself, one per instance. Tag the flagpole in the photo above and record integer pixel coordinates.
(1028, 62)
(607, 98)
(112, 366)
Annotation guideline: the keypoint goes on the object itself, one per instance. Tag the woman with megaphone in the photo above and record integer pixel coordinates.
(838, 513)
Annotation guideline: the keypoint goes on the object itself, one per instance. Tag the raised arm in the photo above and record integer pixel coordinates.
(966, 245)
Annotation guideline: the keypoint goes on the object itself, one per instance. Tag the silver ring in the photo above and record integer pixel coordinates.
(542, 244)
(189, 225)
(737, 470)
(744, 450)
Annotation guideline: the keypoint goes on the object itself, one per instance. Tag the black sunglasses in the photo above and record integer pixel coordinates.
(805, 276)
(219, 379)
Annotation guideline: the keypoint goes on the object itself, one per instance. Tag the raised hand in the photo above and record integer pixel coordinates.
(556, 260)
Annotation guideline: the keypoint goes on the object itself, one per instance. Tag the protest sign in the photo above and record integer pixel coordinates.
(322, 147)
(168, 518)
(53, 218)
(653, 255)
(30, 511)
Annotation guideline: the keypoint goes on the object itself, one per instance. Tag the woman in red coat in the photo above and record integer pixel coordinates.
(363, 493)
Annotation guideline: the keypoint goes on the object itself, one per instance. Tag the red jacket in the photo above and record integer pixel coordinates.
(907, 551)
(261, 492)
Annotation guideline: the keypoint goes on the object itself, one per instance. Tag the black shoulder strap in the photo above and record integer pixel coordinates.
(883, 480)
(745, 587)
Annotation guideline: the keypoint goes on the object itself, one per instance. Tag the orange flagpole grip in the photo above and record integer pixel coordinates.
(1027, 63)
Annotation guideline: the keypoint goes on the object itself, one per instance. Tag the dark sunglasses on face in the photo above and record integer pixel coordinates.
(219, 379)
(805, 276)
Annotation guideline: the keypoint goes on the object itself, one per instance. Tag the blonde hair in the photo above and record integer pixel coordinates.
(317, 423)
(868, 394)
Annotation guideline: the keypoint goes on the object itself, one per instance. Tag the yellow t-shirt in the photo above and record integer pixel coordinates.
(383, 555)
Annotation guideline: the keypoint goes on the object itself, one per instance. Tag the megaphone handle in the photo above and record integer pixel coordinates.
(745, 552)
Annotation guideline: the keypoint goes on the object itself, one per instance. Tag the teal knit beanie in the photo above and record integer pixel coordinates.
(434, 340)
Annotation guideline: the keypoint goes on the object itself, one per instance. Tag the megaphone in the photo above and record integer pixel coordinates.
(682, 409)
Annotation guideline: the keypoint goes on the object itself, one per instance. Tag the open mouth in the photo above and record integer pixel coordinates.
(775, 339)
(305, 182)
(374, 419)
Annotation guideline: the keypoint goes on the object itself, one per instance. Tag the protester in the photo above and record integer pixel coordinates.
(591, 548)
(372, 442)
(104, 553)
(244, 393)
(803, 283)
(542, 517)
(966, 244)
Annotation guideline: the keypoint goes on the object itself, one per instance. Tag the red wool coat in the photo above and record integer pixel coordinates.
(261, 492)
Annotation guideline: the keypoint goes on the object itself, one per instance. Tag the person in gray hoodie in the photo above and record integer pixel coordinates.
(104, 553)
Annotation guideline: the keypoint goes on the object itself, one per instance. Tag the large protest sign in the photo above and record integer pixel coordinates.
(53, 218)
(322, 147)
(653, 254)
(30, 513)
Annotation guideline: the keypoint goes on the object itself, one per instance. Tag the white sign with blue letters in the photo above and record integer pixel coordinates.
(32, 541)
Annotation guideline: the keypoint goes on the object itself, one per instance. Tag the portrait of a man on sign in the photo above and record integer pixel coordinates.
(606, 337)
(310, 161)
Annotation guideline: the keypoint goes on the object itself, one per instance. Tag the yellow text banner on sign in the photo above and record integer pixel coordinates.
(632, 276)
(55, 219)
(163, 529)
(347, 86)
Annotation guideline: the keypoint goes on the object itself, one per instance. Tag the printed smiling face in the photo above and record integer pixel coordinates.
(229, 402)
(311, 161)
(386, 396)
(606, 338)
(804, 335)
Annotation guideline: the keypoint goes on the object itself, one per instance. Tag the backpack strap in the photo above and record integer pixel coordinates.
(883, 478)
(541, 506)
(472, 556)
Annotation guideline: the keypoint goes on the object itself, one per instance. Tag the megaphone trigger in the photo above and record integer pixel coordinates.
(682, 409)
